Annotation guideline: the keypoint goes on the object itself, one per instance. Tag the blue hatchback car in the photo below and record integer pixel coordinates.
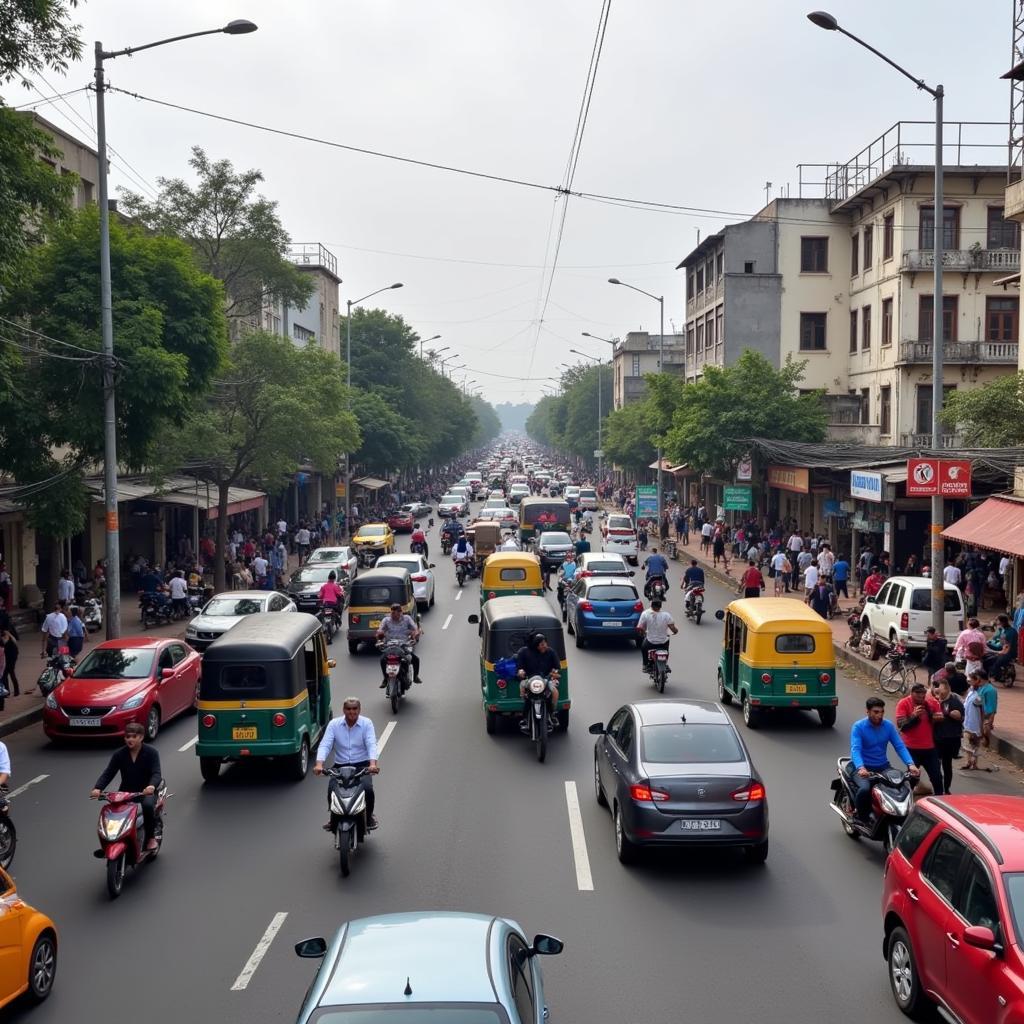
(417, 968)
(602, 606)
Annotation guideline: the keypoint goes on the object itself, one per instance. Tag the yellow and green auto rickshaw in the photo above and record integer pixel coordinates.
(370, 597)
(777, 653)
(508, 573)
(505, 627)
(265, 692)
(536, 515)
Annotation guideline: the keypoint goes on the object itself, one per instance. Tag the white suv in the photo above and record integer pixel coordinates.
(588, 499)
(620, 537)
(902, 610)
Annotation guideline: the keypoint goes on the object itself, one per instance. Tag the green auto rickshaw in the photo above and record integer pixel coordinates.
(265, 692)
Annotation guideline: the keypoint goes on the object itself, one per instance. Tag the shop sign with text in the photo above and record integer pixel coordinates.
(865, 485)
(947, 478)
(738, 499)
(789, 478)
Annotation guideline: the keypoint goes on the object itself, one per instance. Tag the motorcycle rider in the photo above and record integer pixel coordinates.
(351, 740)
(419, 538)
(566, 574)
(463, 552)
(693, 577)
(537, 658)
(139, 766)
(5, 764)
(869, 752)
(654, 626)
(400, 627)
(657, 568)
(332, 597)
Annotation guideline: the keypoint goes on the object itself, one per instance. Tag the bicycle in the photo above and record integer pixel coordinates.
(898, 674)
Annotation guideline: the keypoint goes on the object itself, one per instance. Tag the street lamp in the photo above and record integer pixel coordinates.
(434, 338)
(113, 535)
(435, 352)
(348, 366)
(660, 299)
(826, 21)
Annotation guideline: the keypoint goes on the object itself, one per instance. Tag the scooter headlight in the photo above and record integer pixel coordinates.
(536, 685)
(889, 805)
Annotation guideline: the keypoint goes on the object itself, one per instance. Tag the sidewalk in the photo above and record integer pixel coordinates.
(1009, 734)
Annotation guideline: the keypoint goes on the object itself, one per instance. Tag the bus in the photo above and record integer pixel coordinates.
(539, 514)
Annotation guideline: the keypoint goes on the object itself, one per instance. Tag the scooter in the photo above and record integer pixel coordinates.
(655, 588)
(92, 614)
(397, 670)
(122, 843)
(328, 621)
(694, 603)
(58, 667)
(347, 801)
(446, 544)
(657, 667)
(537, 718)
(892, 799)
(8, 833)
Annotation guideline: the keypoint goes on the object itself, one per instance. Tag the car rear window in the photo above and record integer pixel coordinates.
(794, 643)
(606, 592)
(432, 1013)
(512, 575)
(451, 499)
(243, 678)
(682, 743)
(600, 568)
(555, 540)
(372, 595)
(921, 600)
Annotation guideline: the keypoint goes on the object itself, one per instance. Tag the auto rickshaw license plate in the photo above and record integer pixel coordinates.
(374, 623)
(796, 687)
(243, 732)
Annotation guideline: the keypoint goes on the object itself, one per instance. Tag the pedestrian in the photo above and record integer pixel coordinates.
(820, 599)
(951, 574)
(989, 705)
(66, 589)
(752, 582)
(811, 577)
(933, 657)
(970, 646)
(915, 716)
(911, 567)
(641, 535)
(706, 533)
(10, 648)
(948, 730)
(826, 561)
(840, 576)
(718, 547)
(803, 562)
(76, 633)
(873, 583)
(54, 629)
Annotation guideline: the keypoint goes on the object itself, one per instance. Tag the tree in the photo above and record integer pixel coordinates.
(991, 416)
(547, 421)
(236, 234)
(579, 435)
(488, 425)
(628, 441)
(274, 407)
(36, 34)
(748, 399)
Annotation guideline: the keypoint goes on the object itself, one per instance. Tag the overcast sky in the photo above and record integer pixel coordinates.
(697, 104)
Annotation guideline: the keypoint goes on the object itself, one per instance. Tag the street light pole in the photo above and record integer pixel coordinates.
(600, 446)
(113, 533)
(349, 303)
(434, 338)
(600, 367)
(938, 513)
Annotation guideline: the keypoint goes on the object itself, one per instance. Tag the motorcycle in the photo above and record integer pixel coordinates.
(655, 588)
(657, 667)
(58, 667)
(538, 719)
(366, 557)
(92, 614)
(463, 571)
(446, 544)
(892, 799)
(397, 670)
(8, 833)
(329, 620)
(694, 605)
(154, 611)
(417, 547)
(348, 812)
(120, 829)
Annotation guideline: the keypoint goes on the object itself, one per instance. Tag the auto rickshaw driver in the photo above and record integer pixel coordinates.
(537, 658)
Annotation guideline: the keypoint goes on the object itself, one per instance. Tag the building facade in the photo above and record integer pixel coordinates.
(638, 354)
(76, 158)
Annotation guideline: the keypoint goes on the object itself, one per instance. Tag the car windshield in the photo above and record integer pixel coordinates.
(451, 499)
(605, 568)
(329, 555)
(411, 564)
(234, 606)
(410, 1013)
(116, 663)
(620, 523)
(1015, 897)
(921, 600)
(682, 743)
(607, 592)
(373, 531)
(308, 575)
(555, 540)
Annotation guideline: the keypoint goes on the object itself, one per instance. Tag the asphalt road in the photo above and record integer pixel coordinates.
(468, 821)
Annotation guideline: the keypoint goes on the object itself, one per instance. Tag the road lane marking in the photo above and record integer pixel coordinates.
(447, 622)
(584, 879)
(385, 736)
(191, 743)
(458, 596)
(242, 981)
(21, 789)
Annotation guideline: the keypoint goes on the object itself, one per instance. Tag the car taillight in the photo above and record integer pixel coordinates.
(645, 794)
(585, 572)
(905, 620)
(355, 620)
(825, 678)
(209, 721)
(639, 606)
(502, 683)
(419, 579)
(585, 606)
(755, 791)
(766, 677)
(490, 594)
(278, 719)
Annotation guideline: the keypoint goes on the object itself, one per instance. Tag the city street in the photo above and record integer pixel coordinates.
(468, 821)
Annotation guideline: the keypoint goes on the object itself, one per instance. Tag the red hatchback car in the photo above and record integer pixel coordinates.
(401, 522)
(953, 909)
(137, 679)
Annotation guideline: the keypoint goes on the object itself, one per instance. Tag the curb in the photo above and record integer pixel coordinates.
(22, 720)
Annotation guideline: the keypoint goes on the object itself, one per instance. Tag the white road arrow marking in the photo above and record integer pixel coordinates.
(242, 981)
(584, 879)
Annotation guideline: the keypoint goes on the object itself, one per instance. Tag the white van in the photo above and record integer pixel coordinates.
(902, 610)
(588, 499)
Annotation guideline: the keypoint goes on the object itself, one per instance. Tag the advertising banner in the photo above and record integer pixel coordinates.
(646, 501)
(947, 478)
(789, 478)
(738, 499)
(745, 468)
(865, 485)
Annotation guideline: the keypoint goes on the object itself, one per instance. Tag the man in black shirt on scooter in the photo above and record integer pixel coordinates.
(139, 766)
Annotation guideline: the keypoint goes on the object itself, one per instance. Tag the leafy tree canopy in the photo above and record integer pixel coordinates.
(628, 438)
(36, 34)
(991, 416)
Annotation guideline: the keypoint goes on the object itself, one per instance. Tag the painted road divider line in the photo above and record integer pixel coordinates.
(21, 789)
(584, 879)
(188, 746)
(447, 622)
(385, 736)
(458, 596)
(242, 981)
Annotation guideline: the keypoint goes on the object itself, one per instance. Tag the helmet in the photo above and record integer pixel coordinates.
(537, 639)
(332, 575)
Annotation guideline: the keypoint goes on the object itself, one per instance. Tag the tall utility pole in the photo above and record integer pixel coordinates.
(600, 447)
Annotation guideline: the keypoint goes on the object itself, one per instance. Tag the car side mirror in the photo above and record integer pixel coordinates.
(332, 663)
(312, 949)
(431, 565)
(597, 729)
(166, 673)
(473, 618)
(546, 945)
(981, 938)
(870, 600)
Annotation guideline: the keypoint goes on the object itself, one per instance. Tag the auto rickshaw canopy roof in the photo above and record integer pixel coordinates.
(778, 614)
(263, 637)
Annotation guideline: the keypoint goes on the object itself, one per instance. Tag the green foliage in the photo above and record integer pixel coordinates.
(991, 416)
(236, 234)
(547, 421)
(628, 439)
(488, 423)
(36, 34)
(569, 421)
(748, 399)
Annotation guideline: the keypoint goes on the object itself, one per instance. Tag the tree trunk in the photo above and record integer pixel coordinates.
(219, 576)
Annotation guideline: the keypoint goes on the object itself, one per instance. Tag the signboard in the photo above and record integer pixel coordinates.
(865, 525)
(598, 453)
(789, 478)
(646, 501)
(830, 507)
(865, 485)
(947, 478)
(738, 499)
(339, 489)
(745, 468)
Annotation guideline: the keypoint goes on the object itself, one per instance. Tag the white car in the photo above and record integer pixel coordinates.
(902, 610)
(222, 611)
(620, 538)
(517, 492)
(490, 503)
(588, 499)
(452, 505)
(504, 515)
(420, 572)
(342, 555)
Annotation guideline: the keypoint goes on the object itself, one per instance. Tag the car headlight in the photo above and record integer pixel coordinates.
(190, 631)
(133, 702)
(51, 702)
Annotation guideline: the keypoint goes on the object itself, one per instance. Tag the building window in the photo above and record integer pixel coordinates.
(813, 255)
(1001, 318)
(950, 228)
(869, 246)
(865, 405)
(636, 364)
(689, 342)
(853, 330)
(888, 235)
(812, 332)
(925, 324)
(700, 337)
(691, 278)
(720, 325)
(709, 271)
(700, 279)
(1002, 234)
(301, 333)
(886, 322)
(885, 409)
(923, 407)
(854, 255)
(865, 328)
(720, 266)
(748, 267)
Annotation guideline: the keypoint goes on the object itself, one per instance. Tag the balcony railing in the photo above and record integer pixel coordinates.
(1005, 261)
(949, 441)
(993, 353)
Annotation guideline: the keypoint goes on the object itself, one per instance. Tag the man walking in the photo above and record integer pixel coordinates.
(915, 714)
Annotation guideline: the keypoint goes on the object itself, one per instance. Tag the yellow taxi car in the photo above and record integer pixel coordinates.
(28, 947)
(373, 540)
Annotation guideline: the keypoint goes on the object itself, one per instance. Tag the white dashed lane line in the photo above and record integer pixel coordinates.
(242, 981)
(458, 596)
(188, 746)
(385, 736)
(21, 789)
(584, 879)
(447, 622)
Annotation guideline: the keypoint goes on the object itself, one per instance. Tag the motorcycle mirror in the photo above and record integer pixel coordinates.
(597, 729)
(431, 565)
(332, 663)
(473, 619)
(311, 948)
(719, 615)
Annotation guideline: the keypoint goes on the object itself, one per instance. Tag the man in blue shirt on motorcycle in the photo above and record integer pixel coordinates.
(693, 577)
(869, 752)
(657, 568)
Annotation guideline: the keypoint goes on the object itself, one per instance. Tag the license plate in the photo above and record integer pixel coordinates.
(84, 723)
(615, 622)
(796, 687)
(392, 670)
(243, 732)
(374, 623)
(700, 825)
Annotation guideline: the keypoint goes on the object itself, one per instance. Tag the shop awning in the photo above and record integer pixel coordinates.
(369, 483)
(997, 524)
(895, 476)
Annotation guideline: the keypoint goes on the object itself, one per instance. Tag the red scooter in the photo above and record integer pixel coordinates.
(122, 838)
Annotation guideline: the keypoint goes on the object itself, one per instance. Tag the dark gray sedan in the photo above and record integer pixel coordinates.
(676, 773)
(552, 547)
